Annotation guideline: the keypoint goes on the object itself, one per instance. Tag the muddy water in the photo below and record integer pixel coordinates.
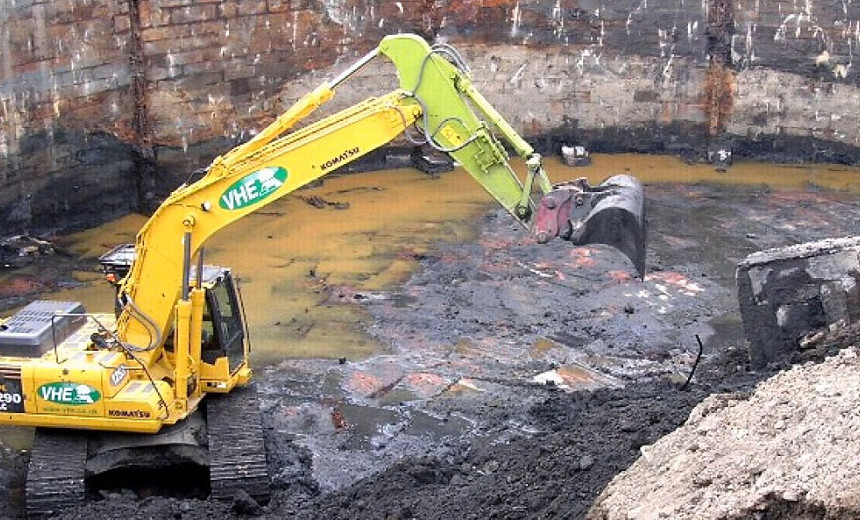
(287, 254)
(660, 169)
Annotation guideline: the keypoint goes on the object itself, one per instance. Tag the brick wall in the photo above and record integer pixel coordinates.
(122, 99)
(64, 110)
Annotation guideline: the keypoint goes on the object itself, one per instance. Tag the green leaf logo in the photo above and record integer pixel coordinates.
(69, 393)
(253, 188)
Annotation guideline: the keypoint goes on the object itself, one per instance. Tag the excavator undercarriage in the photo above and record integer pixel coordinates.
(217, 452)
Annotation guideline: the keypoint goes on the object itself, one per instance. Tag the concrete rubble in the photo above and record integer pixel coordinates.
(20, 250)
(788, 293)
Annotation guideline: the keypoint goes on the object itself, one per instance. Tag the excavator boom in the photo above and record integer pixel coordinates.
(241, 182)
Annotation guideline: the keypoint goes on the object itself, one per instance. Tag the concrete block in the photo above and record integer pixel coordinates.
(228, 9)
(787, 293)
(112, 70)
(152, 15)
(160, 73)
(174, 3)
(237, 69)
(121, 24)
(199, 80)
(200, 41)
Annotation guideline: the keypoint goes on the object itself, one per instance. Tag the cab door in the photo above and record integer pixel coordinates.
(224, 324)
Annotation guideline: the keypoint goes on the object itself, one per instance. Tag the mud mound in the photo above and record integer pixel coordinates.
(122, 506)
(581, 441)
(788, 450)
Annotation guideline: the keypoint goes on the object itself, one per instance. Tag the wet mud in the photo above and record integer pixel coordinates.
(482, 320)
(507, 379)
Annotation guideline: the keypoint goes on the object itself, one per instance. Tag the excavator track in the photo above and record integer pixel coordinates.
(57, 472)
(237, 451)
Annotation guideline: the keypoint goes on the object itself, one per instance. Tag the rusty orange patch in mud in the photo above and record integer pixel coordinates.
(20, 286)
(464, 386)
(574, 376)
(364, 384)
(577, 376)
(426, 384)
(675, 279)
(619, 276)
(581, 257)
(496, 243)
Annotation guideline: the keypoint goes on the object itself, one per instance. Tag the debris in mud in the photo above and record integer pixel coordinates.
(338, 420)
(320, 203)
(575, 155)
(576, 377)
(720, 155)
(20, 250)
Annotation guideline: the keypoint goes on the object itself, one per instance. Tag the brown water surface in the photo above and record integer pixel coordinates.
(290, 254)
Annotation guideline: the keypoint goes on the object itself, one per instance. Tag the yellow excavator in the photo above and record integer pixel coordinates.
(106, 390)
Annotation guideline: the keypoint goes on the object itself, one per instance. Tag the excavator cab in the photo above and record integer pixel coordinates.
(223, 322)
(223, 331)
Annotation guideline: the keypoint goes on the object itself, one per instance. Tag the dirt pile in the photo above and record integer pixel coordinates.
(580, 442)
(788, 450)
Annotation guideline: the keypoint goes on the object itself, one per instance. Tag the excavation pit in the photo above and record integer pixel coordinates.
(451, 387)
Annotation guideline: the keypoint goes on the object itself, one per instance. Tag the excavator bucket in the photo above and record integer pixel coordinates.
(611, 213)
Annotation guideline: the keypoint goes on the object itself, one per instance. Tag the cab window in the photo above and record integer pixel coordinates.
(226, 320)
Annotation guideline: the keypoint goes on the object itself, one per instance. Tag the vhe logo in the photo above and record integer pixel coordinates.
(253, 187)
(69, 393)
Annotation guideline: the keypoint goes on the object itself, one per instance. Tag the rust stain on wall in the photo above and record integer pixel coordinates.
(138, 82)
(719, 92)
(719, 79)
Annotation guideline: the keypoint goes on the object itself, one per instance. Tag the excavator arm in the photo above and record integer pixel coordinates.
(458, 120)
(238, 183)
(436, 95)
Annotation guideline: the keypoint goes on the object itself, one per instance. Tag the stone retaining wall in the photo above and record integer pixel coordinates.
(104, 105)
